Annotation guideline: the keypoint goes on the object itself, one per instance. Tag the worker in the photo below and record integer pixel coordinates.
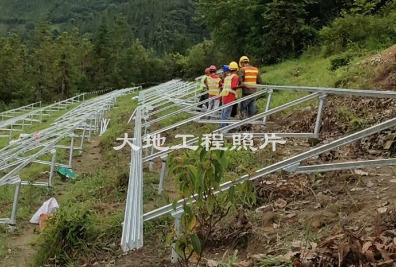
(225, 72)
(213, 84)
(228, 94)
(202, 87)
(249, 77)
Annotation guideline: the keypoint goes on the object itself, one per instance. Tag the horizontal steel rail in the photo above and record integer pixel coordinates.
(345, 166)
(333, 91)
(295, 160)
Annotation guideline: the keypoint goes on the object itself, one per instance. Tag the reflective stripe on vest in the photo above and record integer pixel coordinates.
(227, 87)
(251, 74)
(213, 85)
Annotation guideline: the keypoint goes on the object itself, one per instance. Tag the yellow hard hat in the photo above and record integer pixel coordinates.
(233, 65)
(243, 58)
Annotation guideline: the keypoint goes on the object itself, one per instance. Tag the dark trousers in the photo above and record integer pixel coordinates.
(234, 110)
(203, 98)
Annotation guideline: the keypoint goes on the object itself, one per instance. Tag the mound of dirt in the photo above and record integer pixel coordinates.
(386, 70)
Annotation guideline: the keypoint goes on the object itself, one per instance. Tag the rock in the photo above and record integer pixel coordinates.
(280, 203)
(243, 264)
(370, 184)
(386, 203)
(211, 263)
(264, 208)
(360, 172)
(382, 210)
(357, 189)
(393, 181)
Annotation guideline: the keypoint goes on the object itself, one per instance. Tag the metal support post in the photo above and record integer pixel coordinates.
(71, 151)
(11, 131)
(12, 223)
(322, 102)
(53, 152)
(268, 106)
(163, 173)
(151, 163)
(175, 258)
(146, 133)
(90, 130)
(83, 137)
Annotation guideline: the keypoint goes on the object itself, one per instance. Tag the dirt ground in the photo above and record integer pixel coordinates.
(20, 249)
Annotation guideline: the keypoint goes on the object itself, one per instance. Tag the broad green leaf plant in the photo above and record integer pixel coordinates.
(198, 176)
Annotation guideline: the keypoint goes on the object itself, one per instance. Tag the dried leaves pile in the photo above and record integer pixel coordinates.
(347, 249)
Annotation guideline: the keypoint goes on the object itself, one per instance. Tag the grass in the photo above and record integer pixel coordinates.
(310, 70)
(101, 195)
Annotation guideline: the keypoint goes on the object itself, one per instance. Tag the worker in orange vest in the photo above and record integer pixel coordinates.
(213, 84)
(249, 77)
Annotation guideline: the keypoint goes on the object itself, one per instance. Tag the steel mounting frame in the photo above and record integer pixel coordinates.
(83, 119)
(156, 100)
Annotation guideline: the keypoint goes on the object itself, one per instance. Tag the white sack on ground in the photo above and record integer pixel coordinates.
(48, 207)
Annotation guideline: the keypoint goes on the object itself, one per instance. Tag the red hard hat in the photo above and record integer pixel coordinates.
(213, 68)
(207, 71)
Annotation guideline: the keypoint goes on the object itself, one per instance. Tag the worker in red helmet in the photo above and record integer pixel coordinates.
(213, 84)
(202, 87)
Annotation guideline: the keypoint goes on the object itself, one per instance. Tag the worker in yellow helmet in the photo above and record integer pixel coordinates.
(249, 77)
(229, 92)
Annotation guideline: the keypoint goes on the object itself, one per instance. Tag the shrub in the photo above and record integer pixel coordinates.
(70, 230)
(359, 31)
(339, 61)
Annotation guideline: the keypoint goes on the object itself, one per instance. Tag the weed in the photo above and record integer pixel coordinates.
(272, 261)
(69, 231)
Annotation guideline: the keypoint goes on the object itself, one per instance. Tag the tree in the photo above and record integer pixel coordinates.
(197, 179)
(14, 87)
(286, 29)
(43, 70)
(200, 57)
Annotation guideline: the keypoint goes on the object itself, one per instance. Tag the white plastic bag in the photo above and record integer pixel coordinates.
(48, 207)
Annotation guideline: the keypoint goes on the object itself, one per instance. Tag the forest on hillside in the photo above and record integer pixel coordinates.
(50, 50)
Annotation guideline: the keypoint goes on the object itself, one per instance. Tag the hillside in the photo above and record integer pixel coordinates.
(167, 27)
(309, 214)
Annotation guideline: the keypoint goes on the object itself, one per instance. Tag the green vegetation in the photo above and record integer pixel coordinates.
(200, 175)
(169, 27)
(82, 47)
(92, 207)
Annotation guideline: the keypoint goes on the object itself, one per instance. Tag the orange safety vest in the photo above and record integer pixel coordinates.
(227, 86)
(251, 74)
(213, 85)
